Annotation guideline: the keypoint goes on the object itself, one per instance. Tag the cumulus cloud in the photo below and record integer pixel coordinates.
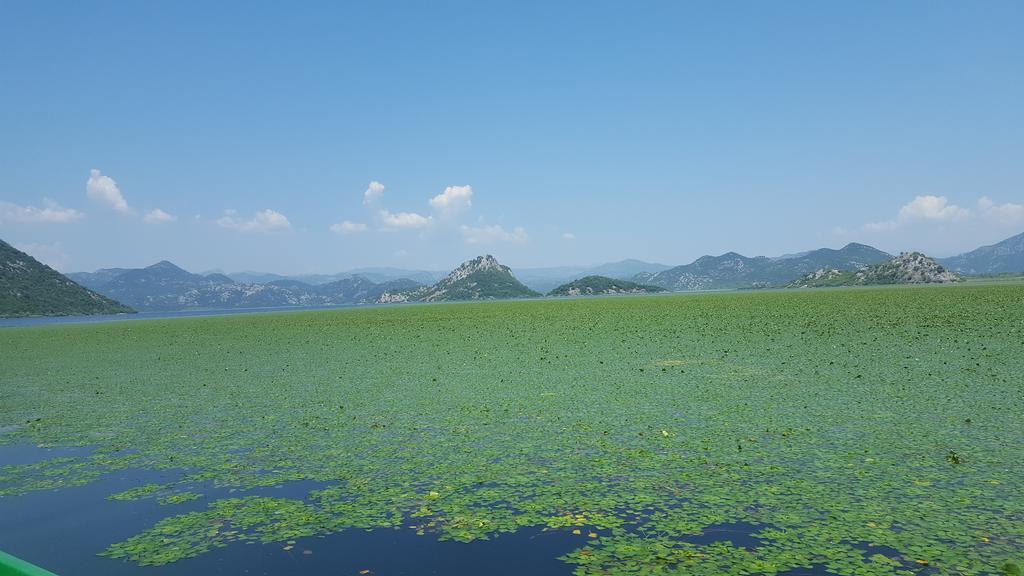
(1008, 213)
(263, 221)
(51, 212)
(931, 208)
(484, 234)
(158, 216)
(568, 236)
(348, 227)
(403, 220)
(938, 209)
(454, 200)
(373, 193)
(926, 208)
(103, 190)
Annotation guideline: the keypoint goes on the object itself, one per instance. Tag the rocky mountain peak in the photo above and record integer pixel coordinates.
(478, 264)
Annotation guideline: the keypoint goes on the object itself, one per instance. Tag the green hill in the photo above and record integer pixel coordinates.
(594, 285)
(31, 288)
(481, 278)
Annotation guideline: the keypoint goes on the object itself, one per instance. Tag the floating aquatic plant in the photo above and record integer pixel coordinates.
(822, 419)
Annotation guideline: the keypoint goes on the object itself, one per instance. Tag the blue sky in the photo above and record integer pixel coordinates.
(544, 133)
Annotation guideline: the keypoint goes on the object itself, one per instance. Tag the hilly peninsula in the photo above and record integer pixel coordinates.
(602, 285)
(30, 288)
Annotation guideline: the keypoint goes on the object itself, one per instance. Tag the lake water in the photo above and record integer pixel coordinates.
(63, 530)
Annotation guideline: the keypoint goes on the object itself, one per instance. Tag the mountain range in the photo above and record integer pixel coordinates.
(907, 268)
(538, 279)
(165, 287)
(732, 270)
(28, 287)
(31, 288)
(1006, 257)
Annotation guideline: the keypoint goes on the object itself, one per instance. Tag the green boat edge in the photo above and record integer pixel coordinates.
(11, 566)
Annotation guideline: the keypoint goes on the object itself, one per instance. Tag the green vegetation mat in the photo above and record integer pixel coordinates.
(831, 419)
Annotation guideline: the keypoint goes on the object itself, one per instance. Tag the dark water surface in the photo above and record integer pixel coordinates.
(64, 530)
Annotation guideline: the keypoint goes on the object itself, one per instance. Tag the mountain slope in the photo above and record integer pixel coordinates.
(594, 285)
(30, 288)
(732, 270)
(481, 278)
(1006, 257)
(907, 268)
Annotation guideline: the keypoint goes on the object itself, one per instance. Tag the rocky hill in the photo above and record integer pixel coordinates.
(1006, 257)
(31, 288)
(595, 285)
(732, 270)
(545, 279)
(907, 268)
(167, 287)
(481, 278)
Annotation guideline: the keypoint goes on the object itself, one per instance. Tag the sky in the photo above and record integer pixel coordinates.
(319, 137)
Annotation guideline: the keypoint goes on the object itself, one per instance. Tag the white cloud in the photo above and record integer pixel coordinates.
(263, 221)
(454, 200)
(926, 208)
(348, 227)
(158, 216)
(1008, 213)
(403, 220)
(104, 190)
(51, 212)
(568, 236)
(931, 208)
(484, 234)
(373, 192)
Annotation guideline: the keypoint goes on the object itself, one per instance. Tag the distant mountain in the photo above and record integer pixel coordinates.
(98, 278)
(594, 285)
(165, 286)
(1006, 257)
(31, 288)
(732, 270)
(545, 279)
(481, 278)
(626, 269)
(375, 274)
(261, 277)
(907, 268)
(382, 274)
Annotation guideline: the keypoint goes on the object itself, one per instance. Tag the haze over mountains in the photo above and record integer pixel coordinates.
(1006, 257)
(167, 287)
(164, 286)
